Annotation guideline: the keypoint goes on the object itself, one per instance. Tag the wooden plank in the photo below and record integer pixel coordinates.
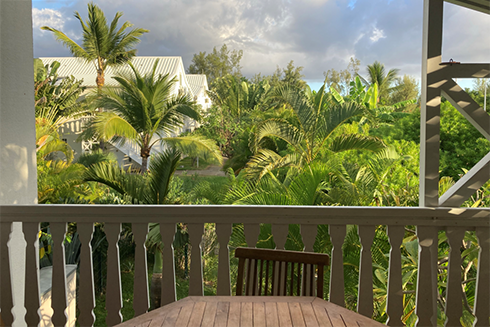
(59, 301)
(221, 314)
(234, 314)
(141, 300)
(365, 290)
(321, 316)
(113, 289)
(283, 314)
(197, 314)
(394, 302)
(171, 317)
(296, 314)
(209, 314)
(246, 317)
(169, 293)
(196, 280)
(454, 300)
(309, 315)
(259, 314)
(223, 233)
(86, 301)
(184, 315)
(31, 290)
(271, 314)
(240, 277)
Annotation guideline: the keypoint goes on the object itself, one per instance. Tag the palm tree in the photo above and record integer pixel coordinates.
(309, 131)
(103, 44)
(377, 75)
(143, 110)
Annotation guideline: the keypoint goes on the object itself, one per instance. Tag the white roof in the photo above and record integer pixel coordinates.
(198, 83)
(81, 69)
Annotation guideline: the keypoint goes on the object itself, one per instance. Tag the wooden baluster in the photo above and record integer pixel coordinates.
(394, 302)
(141, 301)
(169, 294)
(365, 297)
(454, 307)
(337, 236)
(113, 302)
(482, 296)
(291, 287)
(261, 277)
(32, 303)
(223, 232)
(427, 235)
(252, 232)
(280, 234)
(58, 299)
(308, 233)
(196, 231)
(86, 303)
(6, 301)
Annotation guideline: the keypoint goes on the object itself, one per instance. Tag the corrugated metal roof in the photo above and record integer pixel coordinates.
(478, 5)
(88, 72)
(197, 83)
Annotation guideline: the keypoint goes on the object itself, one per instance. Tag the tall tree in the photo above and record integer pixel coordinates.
(218, 63)
(142, 109)
(340, 80)
(377, 75)
(102, 44)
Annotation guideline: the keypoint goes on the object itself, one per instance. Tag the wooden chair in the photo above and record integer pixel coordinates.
(285, 272)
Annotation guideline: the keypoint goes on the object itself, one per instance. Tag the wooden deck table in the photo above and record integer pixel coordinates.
(248, 311)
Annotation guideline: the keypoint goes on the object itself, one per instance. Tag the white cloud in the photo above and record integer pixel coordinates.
(47, 17)
(377, 35)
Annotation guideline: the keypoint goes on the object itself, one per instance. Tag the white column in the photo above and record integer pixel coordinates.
(17, 130)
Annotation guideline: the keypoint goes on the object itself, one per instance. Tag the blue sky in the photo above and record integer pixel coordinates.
(317, 34)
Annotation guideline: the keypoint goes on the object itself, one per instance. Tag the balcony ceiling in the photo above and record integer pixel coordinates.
(478, 5)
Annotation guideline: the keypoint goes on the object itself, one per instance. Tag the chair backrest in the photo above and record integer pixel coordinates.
(285, 272)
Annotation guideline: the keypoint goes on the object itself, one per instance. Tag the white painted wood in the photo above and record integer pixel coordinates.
(58, 299)
(113, 302)
(252, 232)
(467, 185)
(308, 233)
(454, 300)
(86, 294)
(337, 236)
(365, 293)
(223, 232)
(32, 303)
(280, 235)
(394, 302)
(196, 287)
(141, 300)
(424, 298)
(430, 103)
(6, 302)
(464, 70)
(482, 296)
(169, 293)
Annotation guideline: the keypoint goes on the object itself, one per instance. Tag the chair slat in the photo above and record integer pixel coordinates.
(298, 280)
(482, 296)
(266, 287)
(239, 285)
(312, 280)
(6, 300)
(249, 277)
(337, 236)
(86, 303)
(196, 287)
(261, 275)
(223, 233)
(32, 303)
(169, 293)
(365, 297)
(291, 286)
(254, 285)
(141, 301)
(113, 297)
(394, 302)
(58, 298)
(319, 286)
(454, 307)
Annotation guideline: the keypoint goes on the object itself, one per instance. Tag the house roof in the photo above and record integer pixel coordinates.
(81, 69)
(478, 5)
(197, 83)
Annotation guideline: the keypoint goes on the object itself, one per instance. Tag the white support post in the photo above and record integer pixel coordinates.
(430, 105)
(18, 181)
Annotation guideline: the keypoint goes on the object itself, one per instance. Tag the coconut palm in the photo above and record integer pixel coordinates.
(309, 131)
(377, 75)
(102, 44)
(143, 110)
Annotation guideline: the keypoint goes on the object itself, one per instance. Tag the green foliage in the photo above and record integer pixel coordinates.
(340, 80)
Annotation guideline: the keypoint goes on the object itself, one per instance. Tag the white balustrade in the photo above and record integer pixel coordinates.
(428, 222)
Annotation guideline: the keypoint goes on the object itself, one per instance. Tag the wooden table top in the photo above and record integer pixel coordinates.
(246, 311)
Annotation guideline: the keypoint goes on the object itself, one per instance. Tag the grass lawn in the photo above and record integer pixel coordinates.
(190, 163)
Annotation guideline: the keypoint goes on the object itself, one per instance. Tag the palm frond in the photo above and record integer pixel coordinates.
(162, 168)
(196, 146)
(348, 142)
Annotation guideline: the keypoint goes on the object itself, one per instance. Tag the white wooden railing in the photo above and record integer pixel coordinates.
(428, 221)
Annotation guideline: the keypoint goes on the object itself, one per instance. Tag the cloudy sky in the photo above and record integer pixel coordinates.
(316, 34)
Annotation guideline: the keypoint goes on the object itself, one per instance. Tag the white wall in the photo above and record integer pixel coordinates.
(17, 129)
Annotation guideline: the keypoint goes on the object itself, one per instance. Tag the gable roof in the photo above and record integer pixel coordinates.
(198, 83)
(81, 69)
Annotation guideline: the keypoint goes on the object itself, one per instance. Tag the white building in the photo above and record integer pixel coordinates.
(195, 86)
